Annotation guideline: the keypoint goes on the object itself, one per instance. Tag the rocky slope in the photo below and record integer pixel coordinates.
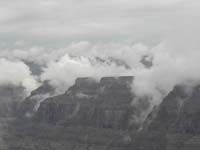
(89, 115)
(10, 98)
(99, 115)
(104, 104)
(31, 104)
(177, 124)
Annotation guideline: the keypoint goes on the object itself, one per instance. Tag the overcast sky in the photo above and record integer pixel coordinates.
(57, 22)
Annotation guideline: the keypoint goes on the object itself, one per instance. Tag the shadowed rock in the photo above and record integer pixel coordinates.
(90, 115)
(177, 123)
(31, 104)
(10, 97)
(104, 104)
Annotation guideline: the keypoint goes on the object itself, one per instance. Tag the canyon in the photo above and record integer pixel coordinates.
(100, 115)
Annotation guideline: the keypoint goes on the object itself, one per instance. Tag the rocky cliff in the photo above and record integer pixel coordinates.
(104, 104)
(10, 98)
(31, 104)
(91, 115)
(99, 115)
(176, 125)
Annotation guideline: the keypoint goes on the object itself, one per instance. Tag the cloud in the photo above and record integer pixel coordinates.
(16, 73)
(174, 61)
(64, 72)
(35, 54)
(64, 65)
(173, 64)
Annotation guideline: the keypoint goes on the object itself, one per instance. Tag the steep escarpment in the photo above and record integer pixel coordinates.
(100, 115)
(176, 126)
(104, 104)
(31, 104)
(10, 98)
(91, 115)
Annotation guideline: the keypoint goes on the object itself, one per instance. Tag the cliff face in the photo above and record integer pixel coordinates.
(90, 115)
(99, 115)
(104, 104)
(31, 104)
(176, 126)
(10, 97)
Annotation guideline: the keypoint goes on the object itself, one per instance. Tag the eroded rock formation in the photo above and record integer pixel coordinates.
(176, 125)
(98, 115)
(104, 104)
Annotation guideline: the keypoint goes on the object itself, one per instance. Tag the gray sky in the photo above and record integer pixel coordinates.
(56, 22)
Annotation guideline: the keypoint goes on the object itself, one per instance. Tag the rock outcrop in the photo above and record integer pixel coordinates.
(10, 98)
(90, 115)
(177, 124)
(104, 104)
(99, 115)
(31, 104)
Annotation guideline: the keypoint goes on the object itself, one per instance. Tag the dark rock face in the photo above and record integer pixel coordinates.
(30, 105)
(104, 104)
(111, 60)
(90, 115)
(10, 98)
(96, 115)
(177, 123)
(147, 61)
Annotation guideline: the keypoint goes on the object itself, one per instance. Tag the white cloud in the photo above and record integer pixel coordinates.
(17, 73)
(64, 72)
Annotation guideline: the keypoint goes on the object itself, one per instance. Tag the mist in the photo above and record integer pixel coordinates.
(16, 73)
(173, 61)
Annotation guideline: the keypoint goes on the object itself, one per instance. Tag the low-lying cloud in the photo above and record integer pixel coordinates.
(173, 62)
(16, 73)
